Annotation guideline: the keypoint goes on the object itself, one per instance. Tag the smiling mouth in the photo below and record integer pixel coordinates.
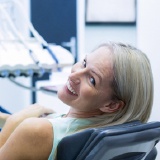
(71, 89)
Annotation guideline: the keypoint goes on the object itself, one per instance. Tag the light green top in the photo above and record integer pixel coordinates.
(65, 126)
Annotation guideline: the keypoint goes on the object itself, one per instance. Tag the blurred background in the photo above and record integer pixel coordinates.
(70, 29)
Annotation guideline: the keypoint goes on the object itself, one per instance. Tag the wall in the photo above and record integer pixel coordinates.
(80, 28)
(148, 39)
(96, 34)
(12, 97)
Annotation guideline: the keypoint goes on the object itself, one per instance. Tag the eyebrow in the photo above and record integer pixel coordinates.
(93, 71)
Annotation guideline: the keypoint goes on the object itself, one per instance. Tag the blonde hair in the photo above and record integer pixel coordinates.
(132, 84)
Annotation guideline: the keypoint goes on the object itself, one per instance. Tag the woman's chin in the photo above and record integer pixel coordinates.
(65, 96)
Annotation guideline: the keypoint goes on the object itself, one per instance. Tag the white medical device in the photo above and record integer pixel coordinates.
(26, 56)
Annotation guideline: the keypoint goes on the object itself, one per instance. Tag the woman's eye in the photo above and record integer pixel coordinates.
(92, 80)
(84, 63)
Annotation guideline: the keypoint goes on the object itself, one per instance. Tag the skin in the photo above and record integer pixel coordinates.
(3, 117)
(24, 137)
(90, 100)
(28, 137)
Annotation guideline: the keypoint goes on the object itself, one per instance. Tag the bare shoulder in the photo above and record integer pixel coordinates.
(38, 127)
(32, 139)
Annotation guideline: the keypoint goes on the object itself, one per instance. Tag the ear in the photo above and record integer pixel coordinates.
(112, 107)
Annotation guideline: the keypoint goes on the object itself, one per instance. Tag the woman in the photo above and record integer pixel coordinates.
(112, 85)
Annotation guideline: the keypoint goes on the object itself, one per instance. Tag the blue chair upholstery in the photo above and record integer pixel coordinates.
(129, 141)
(152, 154)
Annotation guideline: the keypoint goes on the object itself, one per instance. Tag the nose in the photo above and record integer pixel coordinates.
(77, 73)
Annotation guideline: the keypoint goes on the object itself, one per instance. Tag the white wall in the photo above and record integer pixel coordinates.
(12, 97)
(96, 34)
(80, 28)
(148, 39)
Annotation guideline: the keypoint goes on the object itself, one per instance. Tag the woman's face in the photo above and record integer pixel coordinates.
(89, 85)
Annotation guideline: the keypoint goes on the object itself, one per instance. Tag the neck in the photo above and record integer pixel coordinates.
(83, 114)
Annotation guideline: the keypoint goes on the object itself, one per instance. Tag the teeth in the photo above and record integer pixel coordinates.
(70, 88)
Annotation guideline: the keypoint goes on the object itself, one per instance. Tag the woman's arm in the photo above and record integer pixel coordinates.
(31, 140)
(14, 120)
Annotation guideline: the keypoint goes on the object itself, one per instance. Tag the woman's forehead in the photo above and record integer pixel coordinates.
(101, 59)
(101, 55)
(103, 50)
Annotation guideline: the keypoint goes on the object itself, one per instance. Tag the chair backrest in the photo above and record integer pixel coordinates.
(129, 141)
(152, 154)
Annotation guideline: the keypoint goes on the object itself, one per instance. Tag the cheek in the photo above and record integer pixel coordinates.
(61, 94)
(91, 101)
(89, 95)
(86, 91)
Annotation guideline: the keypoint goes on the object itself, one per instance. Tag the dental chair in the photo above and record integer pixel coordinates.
(130, 141)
